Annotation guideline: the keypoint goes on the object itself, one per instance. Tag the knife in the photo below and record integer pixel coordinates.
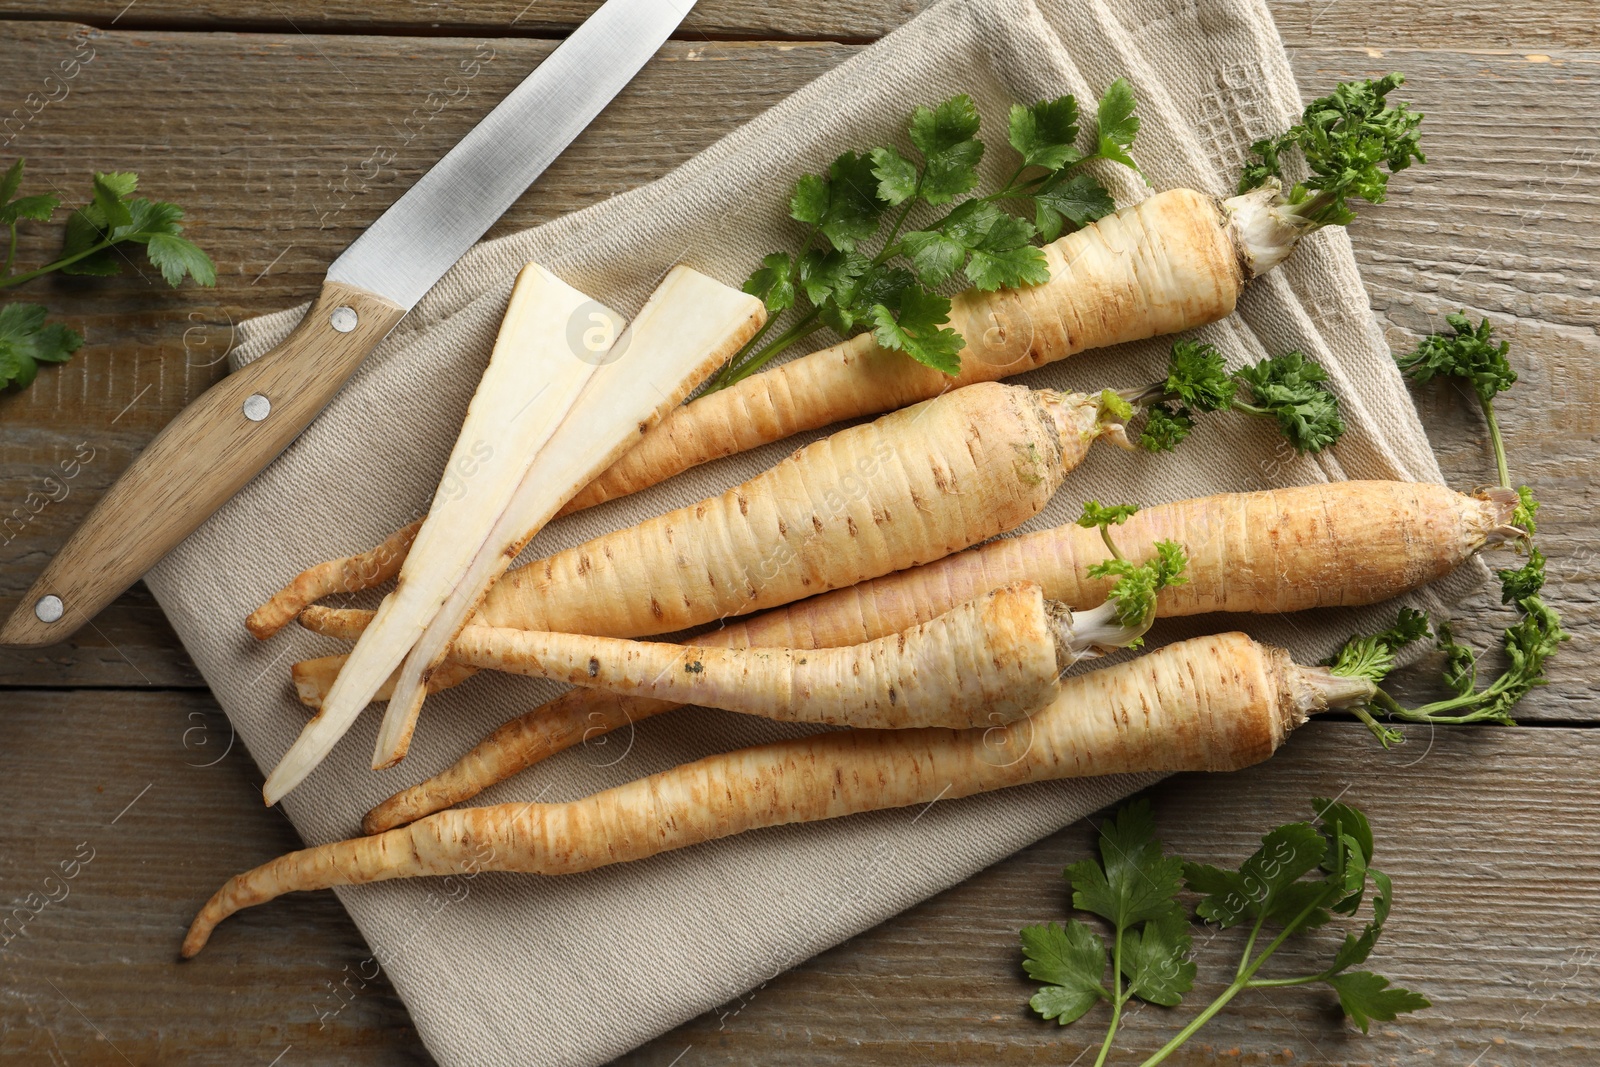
(238, 426)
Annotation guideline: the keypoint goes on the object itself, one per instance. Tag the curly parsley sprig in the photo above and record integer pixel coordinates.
(1302, 876)
(1346, 139)
(113, 217)
(1132, 596)
(833, 281)
(1288, 389)
(1528, 644)
(1468, 353)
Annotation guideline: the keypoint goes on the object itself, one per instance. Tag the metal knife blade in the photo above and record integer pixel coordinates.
(234, 429)
(421, 236)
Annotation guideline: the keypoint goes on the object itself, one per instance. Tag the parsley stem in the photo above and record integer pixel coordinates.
(807, 325)
(1310, 209)
(1497, 441)
(11, 253)
(745, 349)
(1111, 546)
(64, 261)
(1242, 980)
(889, 251)
(1117, 999)
(1277, 983)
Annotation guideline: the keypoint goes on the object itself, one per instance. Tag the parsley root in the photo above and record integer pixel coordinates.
(992, 659)
(1212, 703)
(1175, 261)
(1342, 544)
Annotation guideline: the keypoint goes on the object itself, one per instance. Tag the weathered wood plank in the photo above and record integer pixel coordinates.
(834, 19)
(258, 188)
(1303, 23)
(1493, 921)
(149, 787)
(263, 158)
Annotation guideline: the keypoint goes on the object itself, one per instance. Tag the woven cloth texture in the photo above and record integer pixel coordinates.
(506, 969)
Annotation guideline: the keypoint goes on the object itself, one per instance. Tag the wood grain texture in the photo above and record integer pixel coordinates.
(274, 192)
(262, 136)
(1337, 23)
(1492, 921)
(843, 19)
(155, 785)
(199, 460)
(274, 203)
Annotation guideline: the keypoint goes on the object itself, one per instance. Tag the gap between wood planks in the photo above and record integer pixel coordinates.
(537, 32)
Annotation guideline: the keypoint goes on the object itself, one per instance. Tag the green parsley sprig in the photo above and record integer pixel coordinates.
(1302, 876)
(1468, 353)
(833, 281)
(1288, 389)
(1528, 644)
(112, 217)
(1346, 139)
(1133, 594)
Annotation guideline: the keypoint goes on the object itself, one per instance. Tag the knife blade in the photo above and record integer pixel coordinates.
(225, 437)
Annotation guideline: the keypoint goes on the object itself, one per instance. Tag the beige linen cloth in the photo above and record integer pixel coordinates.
(508, 969)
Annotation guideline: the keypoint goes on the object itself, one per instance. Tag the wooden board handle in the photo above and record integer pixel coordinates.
(199, 460)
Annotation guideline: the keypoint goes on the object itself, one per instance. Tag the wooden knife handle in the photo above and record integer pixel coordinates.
(199, 460)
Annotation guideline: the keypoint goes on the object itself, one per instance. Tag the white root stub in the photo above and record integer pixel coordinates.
(1264, 231)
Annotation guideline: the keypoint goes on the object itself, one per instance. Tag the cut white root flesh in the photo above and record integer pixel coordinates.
(689, 327)
(532, 380)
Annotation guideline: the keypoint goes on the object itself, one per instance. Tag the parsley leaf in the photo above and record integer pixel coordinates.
(1299, 879)
(1371, 656)
(1097, 515)
(1118, 125)
(1076, 198)
(1365, 996)
(1045, 134)
(992, 244)
(1524, 582)
(26, 340)
(1133, 881)
(1345, 138)
(13, 208)
(1292, 390)
(1071, 961)
(1526, 511)
(1469, 353)
(845, 205)
(1260, 887)
(915, 329)
(1134, 886)
(1288, 389)
(947, 138)
(1528, 645)
(773, 282)
(110, 218)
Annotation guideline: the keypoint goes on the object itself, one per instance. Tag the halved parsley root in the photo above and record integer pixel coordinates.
(545, 418)
(990, 660)
(1173, 262)
(1342, 544)
(1212, 703)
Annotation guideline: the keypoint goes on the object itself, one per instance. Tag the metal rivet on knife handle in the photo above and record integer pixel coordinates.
(257, 407)
(49, 608)
(343, 319)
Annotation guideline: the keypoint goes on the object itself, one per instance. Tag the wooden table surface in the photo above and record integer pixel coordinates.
(255, 116)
